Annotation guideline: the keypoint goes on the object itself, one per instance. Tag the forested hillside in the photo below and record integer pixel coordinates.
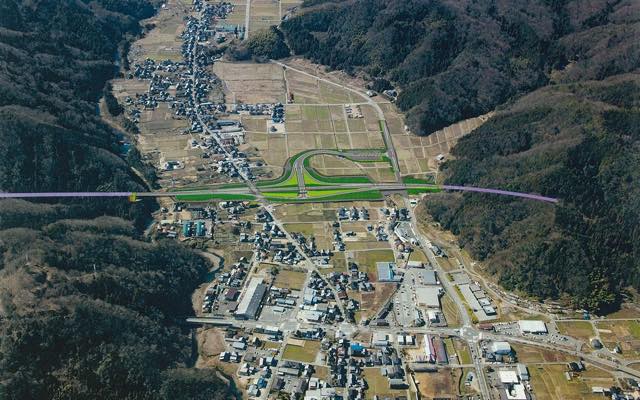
(455, 59)
(55, 57)
(561, 73)
(579, 142)
(87, 309)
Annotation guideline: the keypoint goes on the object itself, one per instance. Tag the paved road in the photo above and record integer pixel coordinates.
(247, 18)
(298, 165)
(468, 332)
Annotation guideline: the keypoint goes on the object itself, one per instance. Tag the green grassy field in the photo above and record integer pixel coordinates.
(289, 194)
(306, 353)
(324, 179)
(415, 191)
(417, 181)
(290, 279)
(578, 329)
(366, 195)
(214, 196)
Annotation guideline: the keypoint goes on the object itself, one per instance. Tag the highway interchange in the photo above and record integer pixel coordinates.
(467, 332)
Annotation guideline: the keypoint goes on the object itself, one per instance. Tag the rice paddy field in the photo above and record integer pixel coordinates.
(549, 382)
(163, 43)
(623, 333)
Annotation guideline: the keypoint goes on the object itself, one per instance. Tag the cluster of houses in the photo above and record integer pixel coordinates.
(204, 220)
(355, 279)
(352, 214)
(186, 87)
(394, 214)
(269, 242)
(346, 361)
(316, 297)
(236, 274)
(308, 247)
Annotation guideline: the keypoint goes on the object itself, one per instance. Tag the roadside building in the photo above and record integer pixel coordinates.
(535, 327)
(523, 372)
(251, 299)
(441, 351)
(508, 377)
(397, 383)
(428, 296)
(429, 352)
(502, 348)
(516, 392)
(427, 277)
(386, 272)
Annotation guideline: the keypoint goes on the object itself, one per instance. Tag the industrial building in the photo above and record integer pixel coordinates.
(532, 326)
(503, 348)
(429, 351)
(428, 296)
(441, 351)
(251, 299)
(386, 272)
(427, 277)
(523, 372)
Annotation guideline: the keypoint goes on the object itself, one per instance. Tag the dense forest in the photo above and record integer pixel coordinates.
(563, 77)
(87, 308)
(579, 142)
(455, 59)
(261, 46)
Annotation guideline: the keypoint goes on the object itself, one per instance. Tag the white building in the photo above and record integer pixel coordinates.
(516, 392)
(500, 348)
(508, 377)
(532, 326)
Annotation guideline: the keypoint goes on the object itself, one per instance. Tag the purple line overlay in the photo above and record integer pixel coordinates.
(502, 192)
(127, 194)
(63, 194)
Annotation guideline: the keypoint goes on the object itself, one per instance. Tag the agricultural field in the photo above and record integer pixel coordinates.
(625, 334)
(379, 385)
(529, 354)
(549, 382)
(317, 212)
(263, 14)
(310, 90)
(163, 43)
(322, 232)
(443, 384)
(303, 350)
(450, 311)
(328, 127)
(366, 260)
(582, 330)
(417, 155)
(237, 16)
(337, 166)
(249, 82)
(288, 279)
(462, 350)
(316, 119)
(371, 302)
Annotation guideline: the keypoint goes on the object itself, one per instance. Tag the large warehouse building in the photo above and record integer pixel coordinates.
(532, 326)
(251, 299)
(428, 296)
